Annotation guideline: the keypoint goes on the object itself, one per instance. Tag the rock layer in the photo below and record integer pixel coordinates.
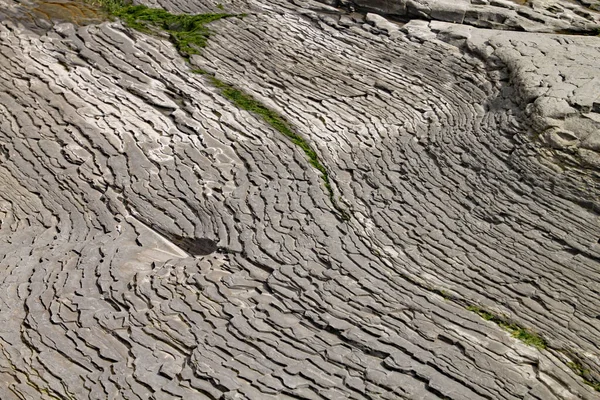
(530, 15)
(556, 83)
(157, 242)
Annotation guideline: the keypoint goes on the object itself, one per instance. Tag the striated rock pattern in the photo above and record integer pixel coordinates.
(156, 242)
(520, 15)
(556, 82)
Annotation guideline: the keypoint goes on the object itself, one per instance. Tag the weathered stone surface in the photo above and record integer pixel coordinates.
(532, 15)
(555, 76)
(114, 153)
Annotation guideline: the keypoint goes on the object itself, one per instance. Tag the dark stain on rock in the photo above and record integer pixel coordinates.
(196, 246)
(40, 15)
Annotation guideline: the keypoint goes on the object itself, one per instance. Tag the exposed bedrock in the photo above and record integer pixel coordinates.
(556, 83)
(156, 242)
(529, 15)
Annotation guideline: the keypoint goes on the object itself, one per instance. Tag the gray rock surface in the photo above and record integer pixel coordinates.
(555, 78)
(156, 242)
(529, 15)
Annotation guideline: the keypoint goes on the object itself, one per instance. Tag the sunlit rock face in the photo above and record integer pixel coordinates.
(531, 15)
(159, 242)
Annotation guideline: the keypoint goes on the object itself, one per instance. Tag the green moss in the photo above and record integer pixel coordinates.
(584, 373)
(445, 294)
(187, 32)
(189, 35)
(532, 339)
(594, 385)
(516, 331)
(248, 103)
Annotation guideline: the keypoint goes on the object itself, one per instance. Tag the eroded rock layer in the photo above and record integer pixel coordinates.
(157, 242)
(520, 15)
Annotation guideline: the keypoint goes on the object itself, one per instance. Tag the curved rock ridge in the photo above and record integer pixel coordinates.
(528, 15)
(156, 242)
(556, 82)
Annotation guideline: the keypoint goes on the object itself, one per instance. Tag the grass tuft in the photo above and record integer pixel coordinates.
(189, 35)
(187, 32)
(248, 103)
(444, 293)
(584, 373)
(516, 331)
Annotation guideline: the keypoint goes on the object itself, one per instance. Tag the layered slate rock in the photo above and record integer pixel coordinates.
(556, 83)
(528, 15)
(158, 242)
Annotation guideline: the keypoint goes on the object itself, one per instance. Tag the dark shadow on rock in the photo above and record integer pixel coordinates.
(196, 246)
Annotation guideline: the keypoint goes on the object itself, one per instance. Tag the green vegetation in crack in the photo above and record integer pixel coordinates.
(584, 373)
(189, 35)
(441, 292)
(187, 32)
(516, 331)
(248, 103)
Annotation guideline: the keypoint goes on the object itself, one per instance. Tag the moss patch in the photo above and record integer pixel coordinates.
(189, 35)
(187, 32)
(248, 103)
(516, 331)
(584, 373)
